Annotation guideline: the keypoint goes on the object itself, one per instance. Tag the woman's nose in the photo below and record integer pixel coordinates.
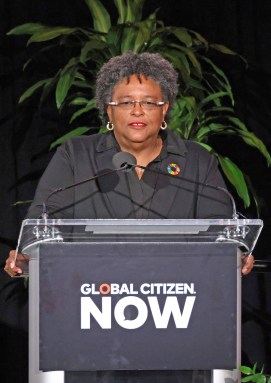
(137, 109)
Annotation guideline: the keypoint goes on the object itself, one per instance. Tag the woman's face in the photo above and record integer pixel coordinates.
(136, 125)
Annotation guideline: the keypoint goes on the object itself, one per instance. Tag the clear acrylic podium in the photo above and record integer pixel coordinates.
(135, 295)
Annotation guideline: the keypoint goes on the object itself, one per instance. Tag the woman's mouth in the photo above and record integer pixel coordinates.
(137, 124)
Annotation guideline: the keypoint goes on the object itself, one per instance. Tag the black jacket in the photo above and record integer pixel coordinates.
(122, 195)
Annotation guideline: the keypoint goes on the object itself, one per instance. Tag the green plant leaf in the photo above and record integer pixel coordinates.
(103, 129)
(182, 35)
(82, 84)
(65, 81)
(28, 201)
(122, 10)
(63, 85)
(212, 98)
(247, 379)
(26, 29)
(254, 368)
(113, 40)
(73, 133)
(236, 178)
(207, 147)
(101, 18)
(225, 84)
(79, 101)
(183, 117)
(256, 198)
(144, 33)
(196, 84)
(200, 38)
(87, 50)
(223, 49)
(134, 10)
(180, 62)
(48, 87)
(33, 88)
(181, 51)
(246, 370)
(90, 105)
(48, 33)
(253, 376)
(128, 38)
(27, 63)
(193, 58)
(236, 121)
(258, 378)
(155, 43)
(204, 131)
(252, 140)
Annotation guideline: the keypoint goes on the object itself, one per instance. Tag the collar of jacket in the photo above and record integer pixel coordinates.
(172, 143)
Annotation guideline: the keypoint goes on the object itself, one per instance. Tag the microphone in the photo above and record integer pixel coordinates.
(124, 160)
(128, 160)
(120, 165)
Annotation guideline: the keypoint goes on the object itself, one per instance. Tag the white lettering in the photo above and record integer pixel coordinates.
(171, 306)
(103, 317)
(85, 289)
(141, 308)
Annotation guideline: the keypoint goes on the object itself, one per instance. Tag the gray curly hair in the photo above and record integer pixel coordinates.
(151, 65)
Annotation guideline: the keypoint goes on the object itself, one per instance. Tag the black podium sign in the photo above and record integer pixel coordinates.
(137, 306)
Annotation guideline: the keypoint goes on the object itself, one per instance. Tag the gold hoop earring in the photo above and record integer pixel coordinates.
(109, 126)
(163, 125)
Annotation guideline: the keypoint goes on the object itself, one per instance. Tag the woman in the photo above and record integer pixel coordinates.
(135, 92)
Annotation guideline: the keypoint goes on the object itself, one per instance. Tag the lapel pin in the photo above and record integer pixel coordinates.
(173, 169)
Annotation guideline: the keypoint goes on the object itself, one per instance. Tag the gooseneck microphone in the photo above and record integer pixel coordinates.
(127, 161)
(124, 160)
(126, 165)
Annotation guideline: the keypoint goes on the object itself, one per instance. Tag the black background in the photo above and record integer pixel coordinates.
(26, 133)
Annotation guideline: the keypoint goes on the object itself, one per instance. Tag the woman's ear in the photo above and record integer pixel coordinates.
(165, 109)
(109, 112)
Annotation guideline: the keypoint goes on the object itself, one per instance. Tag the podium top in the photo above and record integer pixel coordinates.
(243, 232)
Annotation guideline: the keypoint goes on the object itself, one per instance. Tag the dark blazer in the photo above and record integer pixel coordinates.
(122, 195)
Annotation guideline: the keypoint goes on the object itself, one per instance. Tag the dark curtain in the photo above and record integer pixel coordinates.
(26, 133)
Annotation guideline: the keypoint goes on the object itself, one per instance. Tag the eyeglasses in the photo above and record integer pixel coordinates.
(129, 105)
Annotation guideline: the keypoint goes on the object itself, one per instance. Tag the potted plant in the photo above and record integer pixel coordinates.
(252, 375)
